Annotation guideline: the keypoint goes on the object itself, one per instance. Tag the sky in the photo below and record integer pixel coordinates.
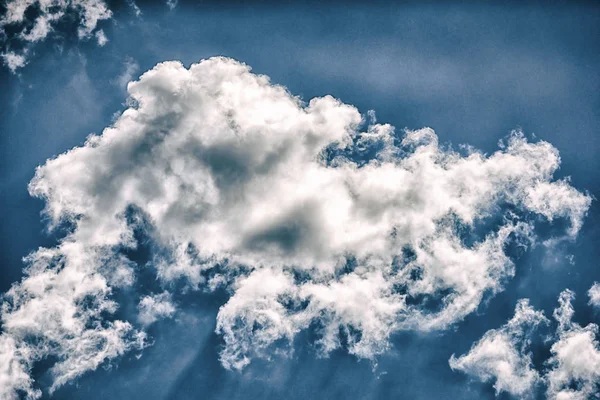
(271, 200)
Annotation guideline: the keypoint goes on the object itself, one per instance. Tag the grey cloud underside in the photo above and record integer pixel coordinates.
(308, 215)
(503, 355)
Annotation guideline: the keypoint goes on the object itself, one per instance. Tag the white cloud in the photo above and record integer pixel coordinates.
(239, 183)
(557, 199)
(575, 361)
(14, 61)
(572, 372)
(172, 4)
(254, 317)
(87, 13)
(563, 314)
(134, 7)
(59, 310)
(14, 370)
(130, 69)
(152, 308)
(594, 294)
(101, 38)
(90, 12)
(502, 355)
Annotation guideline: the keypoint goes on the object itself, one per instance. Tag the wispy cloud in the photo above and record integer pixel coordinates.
(130, 68)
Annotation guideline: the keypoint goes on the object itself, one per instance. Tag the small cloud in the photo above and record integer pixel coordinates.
(570, 258)
(134, 7)
(594, 294)
(101, 38)
(14, 61)
(575, 361)
(503, 355)
(129, 71)
(154, 307)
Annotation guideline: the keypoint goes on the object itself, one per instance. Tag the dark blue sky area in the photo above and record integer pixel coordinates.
(472, 73)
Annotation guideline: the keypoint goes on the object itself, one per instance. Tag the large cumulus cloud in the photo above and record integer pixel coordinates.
(309, 216)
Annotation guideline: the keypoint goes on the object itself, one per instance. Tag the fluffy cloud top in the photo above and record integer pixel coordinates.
(573, 370)
(48, 13)
(309, 221)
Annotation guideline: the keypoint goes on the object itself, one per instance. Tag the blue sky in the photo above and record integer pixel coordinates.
(472, 73)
